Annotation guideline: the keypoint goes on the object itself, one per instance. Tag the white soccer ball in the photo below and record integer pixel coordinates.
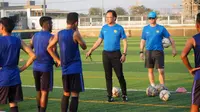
(160, 87)
(165, 95)
(151, 91)
(166, 42)
(116, 92)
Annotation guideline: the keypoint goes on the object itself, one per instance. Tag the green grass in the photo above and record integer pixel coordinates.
(136, 77)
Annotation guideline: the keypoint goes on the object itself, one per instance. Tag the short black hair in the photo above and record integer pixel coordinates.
(8, 23)
(113, 13)
(72, 18)
(44, 19)
(198, 18)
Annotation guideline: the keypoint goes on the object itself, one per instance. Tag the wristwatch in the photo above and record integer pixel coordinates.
(124, 54)
(141, 52)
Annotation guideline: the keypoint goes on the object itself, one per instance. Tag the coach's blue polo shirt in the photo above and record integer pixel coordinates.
(111, 36)
(153, 36)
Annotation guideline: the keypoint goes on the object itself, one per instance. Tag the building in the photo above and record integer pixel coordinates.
(190, 8)
(28, 14)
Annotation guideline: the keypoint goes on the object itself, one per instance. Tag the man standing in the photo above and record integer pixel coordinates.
(10, 82)
(111, 33)
(194, 43)
(69, 40)
(152, 36)
(43, 65)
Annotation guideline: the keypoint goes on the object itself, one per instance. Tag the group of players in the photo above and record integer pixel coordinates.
(43, 54)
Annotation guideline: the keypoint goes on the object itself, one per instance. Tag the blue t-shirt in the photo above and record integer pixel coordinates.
(69, 52)
(9, 57)
(43, 62)
(197, 55)
(153, 36)
(111, 36)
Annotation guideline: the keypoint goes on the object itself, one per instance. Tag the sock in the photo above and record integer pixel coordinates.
(38, 108)
(14, 109)
(42, 109)
(74, 104)
(162, 85)
(64, 103)
(153, 85)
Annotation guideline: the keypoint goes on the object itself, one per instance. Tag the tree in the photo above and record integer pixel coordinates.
(120, 11)
(140, 10)
(95, 11)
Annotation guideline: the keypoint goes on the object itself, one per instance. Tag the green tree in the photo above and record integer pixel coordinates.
(140, 10)
(95, 11)
(120, 11)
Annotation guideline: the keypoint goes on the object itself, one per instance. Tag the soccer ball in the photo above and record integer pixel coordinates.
(165, 95)
(160, 87)
(151, 91)
(116, 92)
(166, 42)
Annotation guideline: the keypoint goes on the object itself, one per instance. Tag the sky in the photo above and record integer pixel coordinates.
(82, 6)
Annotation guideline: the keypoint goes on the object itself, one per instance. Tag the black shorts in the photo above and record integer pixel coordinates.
(73, 83)
(196, 92)
(11, 93)
(154, 58)
(43, 80)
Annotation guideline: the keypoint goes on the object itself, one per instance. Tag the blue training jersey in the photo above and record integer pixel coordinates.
(153, 37)
(9, 57)
(111, 36)
(43, 62)
(197, 55)
(69, 52)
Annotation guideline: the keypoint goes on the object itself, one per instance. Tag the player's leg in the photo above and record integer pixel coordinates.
(159, 57)
(195, 96)
(3, 95)
(151, 76)
(66, 94)
(37, 76)
(194, 108)
(15, 95)
(45, 87)
(76, 86)
(108, 74)
(13, 107)
(74, 102)
(118, 68)
(149, 63)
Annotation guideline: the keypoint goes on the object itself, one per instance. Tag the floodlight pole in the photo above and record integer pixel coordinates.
(44, 7)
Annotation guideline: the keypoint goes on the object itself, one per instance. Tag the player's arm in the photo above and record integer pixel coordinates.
(143, 41)
(31, 54)
(95, 46)
(173, 43)
(77, 37)
(50, 48)
(142, 44)
(31, 43)
(54, 47)
(174, 52)
(184, 55)
(125, 44)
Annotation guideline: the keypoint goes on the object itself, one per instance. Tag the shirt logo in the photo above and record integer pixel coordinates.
(147, 32)
(157, 31)
(115, 31)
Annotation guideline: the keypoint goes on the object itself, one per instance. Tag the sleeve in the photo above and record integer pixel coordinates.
(165, 33)
(122, 33)
(101, 35)
(143, 34)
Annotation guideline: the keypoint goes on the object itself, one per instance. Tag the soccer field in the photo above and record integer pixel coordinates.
(94, 99)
